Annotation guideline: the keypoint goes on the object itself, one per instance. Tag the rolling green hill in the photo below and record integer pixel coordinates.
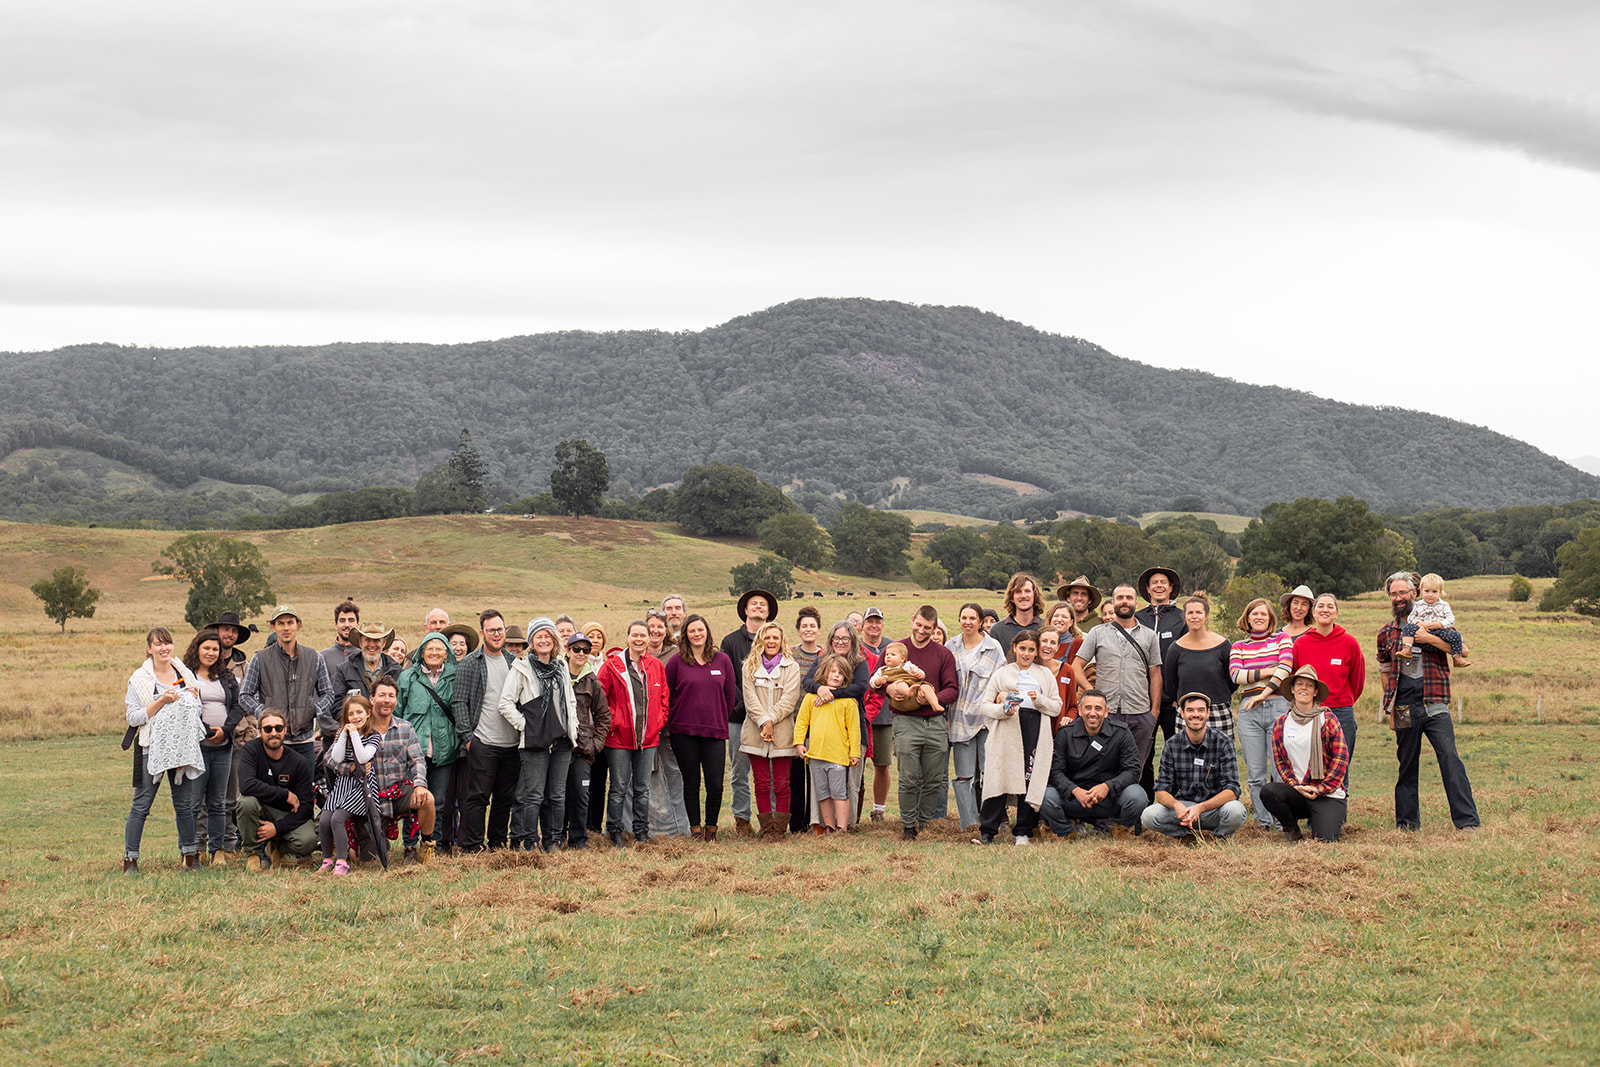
(834, 395)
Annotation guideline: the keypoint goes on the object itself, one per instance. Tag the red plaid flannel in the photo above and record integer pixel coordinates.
(1435, 667)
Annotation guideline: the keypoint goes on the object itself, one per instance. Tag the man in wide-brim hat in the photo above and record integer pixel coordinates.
(1082, 595)
(231, 632)
(361, 672)
(1160, 587)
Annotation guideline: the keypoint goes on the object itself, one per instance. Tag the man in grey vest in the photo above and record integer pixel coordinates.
(293, 679)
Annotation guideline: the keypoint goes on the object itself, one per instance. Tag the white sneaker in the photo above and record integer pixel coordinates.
(1024, 840)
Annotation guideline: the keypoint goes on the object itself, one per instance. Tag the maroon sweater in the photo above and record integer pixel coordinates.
(939, 664)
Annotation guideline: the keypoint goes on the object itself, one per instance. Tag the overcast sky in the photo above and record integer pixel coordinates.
(1377, 201)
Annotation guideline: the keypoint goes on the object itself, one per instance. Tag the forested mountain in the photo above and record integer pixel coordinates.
(827, 395)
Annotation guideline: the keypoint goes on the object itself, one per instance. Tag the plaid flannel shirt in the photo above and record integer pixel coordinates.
(1335, 755)
(399, 760)
(1435, 667)
(1195, 773)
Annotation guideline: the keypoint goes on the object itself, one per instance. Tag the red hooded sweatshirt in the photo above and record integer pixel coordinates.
(1338, 662)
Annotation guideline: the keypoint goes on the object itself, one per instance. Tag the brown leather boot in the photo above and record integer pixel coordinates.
(741, 828)
(710, 835)
(130, 866)
(191, 862)
(780, 825)
(695, 834)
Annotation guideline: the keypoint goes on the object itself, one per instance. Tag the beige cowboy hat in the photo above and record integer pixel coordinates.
(1303, 591)
(374, 630)
(1080, 582)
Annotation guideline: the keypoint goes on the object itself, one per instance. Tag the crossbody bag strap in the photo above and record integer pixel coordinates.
(1132, 641)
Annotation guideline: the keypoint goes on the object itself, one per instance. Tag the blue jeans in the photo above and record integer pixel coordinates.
(739, 773)
(967, 759)
(629, 791)
(1254, 730)
(1221, 821)
(144, 795)
(211, 794)
(1059, 813)
(1431, 721)
(542, 796)
(1347, 723)
(442, 784)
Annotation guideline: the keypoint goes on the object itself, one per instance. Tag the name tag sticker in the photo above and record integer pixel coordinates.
(1096, 746)
(1335, 662)
(1199, 763)
(1166, 633)
(716, 673)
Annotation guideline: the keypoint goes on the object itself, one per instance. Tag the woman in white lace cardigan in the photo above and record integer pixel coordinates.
(163, 706)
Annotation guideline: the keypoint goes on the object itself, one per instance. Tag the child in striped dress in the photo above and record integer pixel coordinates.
(349, 769)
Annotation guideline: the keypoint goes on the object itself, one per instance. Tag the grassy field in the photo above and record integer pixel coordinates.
(1432, 948)
(1226, 523)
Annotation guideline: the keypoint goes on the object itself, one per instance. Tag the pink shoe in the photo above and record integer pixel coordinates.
(341, 867)
(327, 865)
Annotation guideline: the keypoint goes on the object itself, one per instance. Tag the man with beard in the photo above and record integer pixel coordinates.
(1416, 694)
(1022, 608)
(676, 609)
(275, 805)
(1093, 773)
(293, 679)
(922, 735)
(346, 617)
(361, 671)
(1127, 659)
(232, 632)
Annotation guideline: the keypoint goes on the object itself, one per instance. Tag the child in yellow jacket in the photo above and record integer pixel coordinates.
(829, 737)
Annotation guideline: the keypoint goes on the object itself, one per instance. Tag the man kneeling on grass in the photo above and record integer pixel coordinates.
(274, 797)
(1094, 776)
(401, 772)
(1198, 786)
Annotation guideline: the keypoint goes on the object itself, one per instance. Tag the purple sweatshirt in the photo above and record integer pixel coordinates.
(939, 665)
(700, 698)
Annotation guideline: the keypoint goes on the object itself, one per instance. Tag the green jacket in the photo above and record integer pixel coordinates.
(436, 731)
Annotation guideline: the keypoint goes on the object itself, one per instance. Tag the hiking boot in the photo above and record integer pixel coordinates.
(710, 836)
(424, 852)
(275, 856)
(908, 833)
(191, 861)
(256, 862)
(877, 816)
(742, 827)
(696, 834)
(1119, 831)
(130, 865)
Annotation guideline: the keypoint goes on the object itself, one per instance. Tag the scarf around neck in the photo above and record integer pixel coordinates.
(1315, 770)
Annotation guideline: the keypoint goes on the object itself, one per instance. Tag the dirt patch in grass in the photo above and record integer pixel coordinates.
(509, 891)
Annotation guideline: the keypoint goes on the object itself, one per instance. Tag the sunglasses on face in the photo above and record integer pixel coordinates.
(274, 729)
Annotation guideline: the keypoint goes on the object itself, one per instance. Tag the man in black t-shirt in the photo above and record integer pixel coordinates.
(274, 798)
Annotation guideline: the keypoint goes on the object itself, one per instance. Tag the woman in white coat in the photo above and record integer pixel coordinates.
(539, 702)
(164, 729)
(1021, 701)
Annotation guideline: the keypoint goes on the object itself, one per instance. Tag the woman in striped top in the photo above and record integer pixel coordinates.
(1258, 663)
(350, 779)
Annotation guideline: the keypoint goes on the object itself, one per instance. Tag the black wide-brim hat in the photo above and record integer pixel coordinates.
(1172, 576)
(231, 618)
(751, 594)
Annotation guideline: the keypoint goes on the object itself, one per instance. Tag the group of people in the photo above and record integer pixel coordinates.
(492, 736)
